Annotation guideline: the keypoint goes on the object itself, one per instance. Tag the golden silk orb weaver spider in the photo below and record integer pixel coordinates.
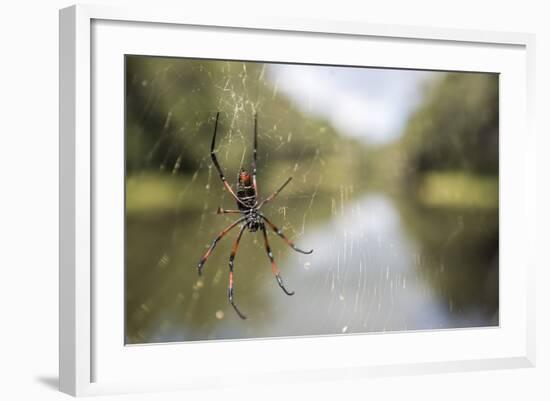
(251, 218)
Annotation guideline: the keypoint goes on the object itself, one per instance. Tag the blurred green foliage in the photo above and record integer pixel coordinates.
(171, 104)
(456, 127)
(448, 162)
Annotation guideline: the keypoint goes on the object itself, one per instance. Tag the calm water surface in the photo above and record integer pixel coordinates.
(378, 265)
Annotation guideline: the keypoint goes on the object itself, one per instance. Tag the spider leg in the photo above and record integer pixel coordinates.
(255, 155)
(231, 259)
(221, 210)
(274, 194)
(279, 232)
(215, 242)
(215, 161)
(274, 267)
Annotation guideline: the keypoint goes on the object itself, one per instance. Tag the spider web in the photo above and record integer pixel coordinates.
(367, 272)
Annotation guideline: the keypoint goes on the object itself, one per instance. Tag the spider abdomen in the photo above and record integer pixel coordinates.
(245, 191)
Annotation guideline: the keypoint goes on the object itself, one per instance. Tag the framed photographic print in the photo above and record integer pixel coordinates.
(250, 200)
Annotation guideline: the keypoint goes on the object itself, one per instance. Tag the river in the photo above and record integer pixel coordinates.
(372, 270)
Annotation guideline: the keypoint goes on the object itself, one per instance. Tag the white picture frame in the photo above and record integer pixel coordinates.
(93, 358)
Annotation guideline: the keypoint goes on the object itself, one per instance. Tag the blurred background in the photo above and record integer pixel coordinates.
(395, 188)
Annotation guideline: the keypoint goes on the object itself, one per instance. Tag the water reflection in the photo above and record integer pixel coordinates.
(369, 272)
(365, 276)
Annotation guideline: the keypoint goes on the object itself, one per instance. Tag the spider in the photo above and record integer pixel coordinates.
(251, 219)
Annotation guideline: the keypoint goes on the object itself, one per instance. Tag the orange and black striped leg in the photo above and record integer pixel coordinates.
(274, 267)
(231, 259)
(274, 194)
(279, 232)
(215, 161)
(215, 242)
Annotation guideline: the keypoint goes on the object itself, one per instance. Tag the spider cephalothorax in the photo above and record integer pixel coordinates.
(251, 217)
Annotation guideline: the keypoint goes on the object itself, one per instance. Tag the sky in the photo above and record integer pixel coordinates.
(370, 104)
